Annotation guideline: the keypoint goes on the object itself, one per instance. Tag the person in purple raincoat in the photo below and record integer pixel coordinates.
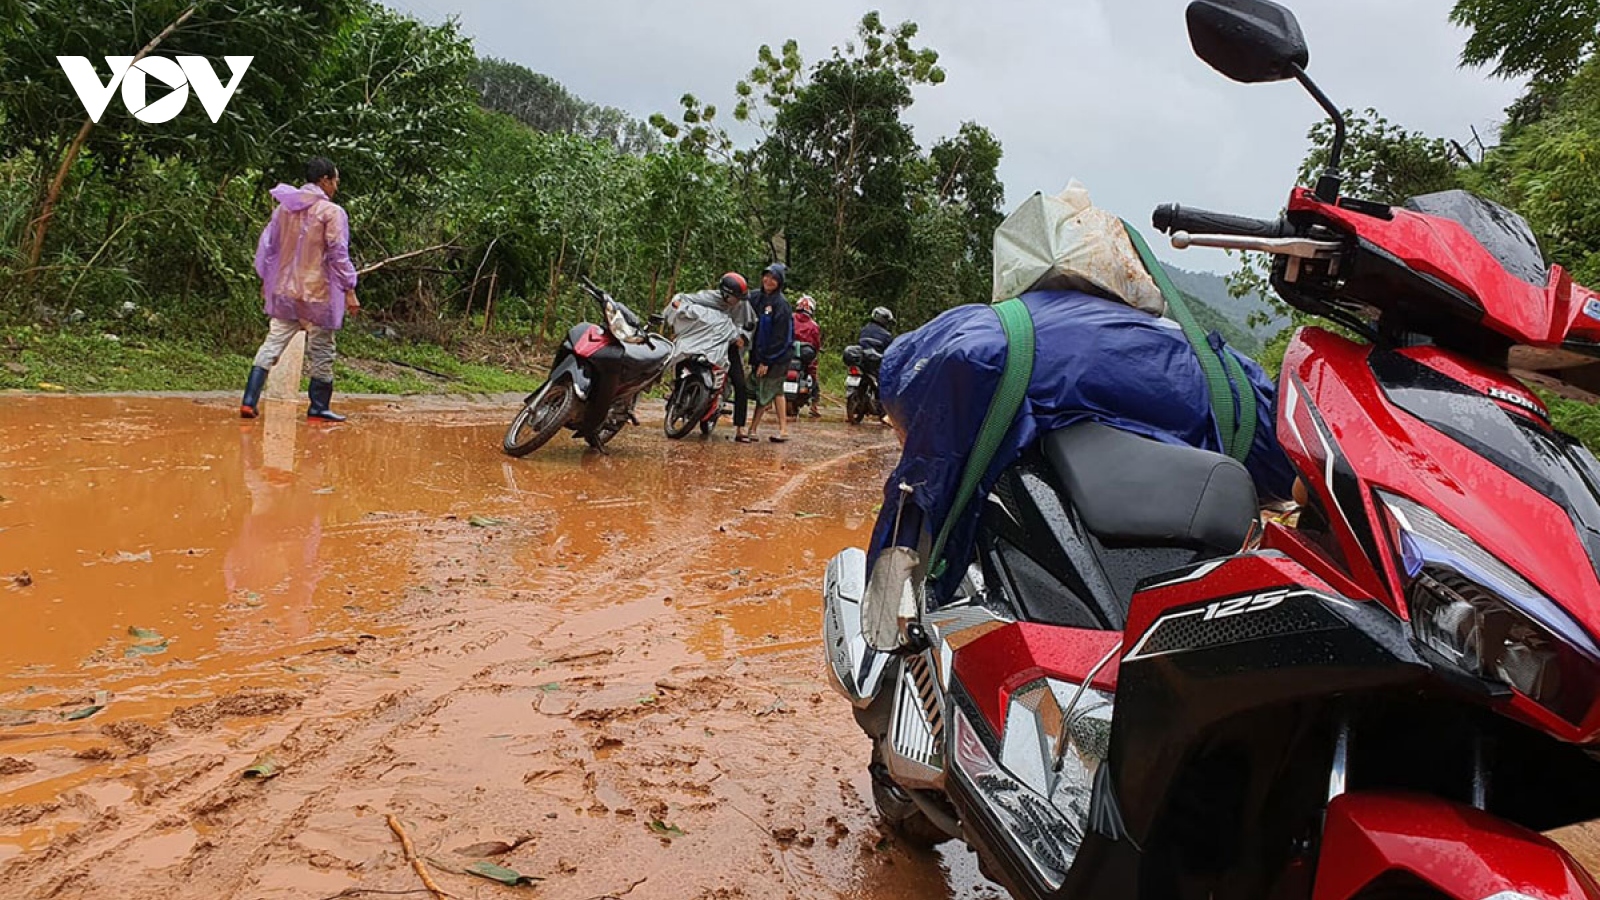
(307, 281)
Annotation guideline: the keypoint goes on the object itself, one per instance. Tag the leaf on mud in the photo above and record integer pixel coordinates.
(484, 522)
(265, 766)
(501, 874)
(124, 556)
(326, 490)
(484, 848)
(807, 515)
(84, 713)
(22, 579)
(144, 650)
(551, 687)
(18, 716)
(776, 706)
(48, 386)
(144, 635)
(647, 700)
(665, 830)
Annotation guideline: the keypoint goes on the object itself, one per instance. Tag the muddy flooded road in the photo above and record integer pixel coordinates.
(234, 650)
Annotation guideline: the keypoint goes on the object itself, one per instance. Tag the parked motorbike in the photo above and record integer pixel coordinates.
(799, 384)
(1388, 700)
(696, 397)
(595, 381)
(861, 383)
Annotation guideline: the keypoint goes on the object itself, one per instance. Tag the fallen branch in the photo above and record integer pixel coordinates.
(416, 863)
(359, 891)
(393, 259)
(625, 892)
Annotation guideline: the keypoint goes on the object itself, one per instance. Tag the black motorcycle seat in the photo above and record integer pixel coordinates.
(1133, 491)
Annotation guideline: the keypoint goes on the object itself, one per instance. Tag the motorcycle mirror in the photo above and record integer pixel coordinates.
(1253, 41)
(1249, 41)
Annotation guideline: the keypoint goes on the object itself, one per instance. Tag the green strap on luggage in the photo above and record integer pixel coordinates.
(1003, 407)
(1233, 400)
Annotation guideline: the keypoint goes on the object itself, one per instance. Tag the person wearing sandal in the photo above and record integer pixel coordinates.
(771, 349)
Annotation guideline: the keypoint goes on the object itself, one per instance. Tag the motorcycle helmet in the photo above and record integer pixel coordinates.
(883, 316)
(806, 305)
(733, 285)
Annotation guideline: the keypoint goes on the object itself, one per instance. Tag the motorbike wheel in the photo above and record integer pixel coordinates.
(898, 810)
(855, 409)
(684, 409)
(539, 421)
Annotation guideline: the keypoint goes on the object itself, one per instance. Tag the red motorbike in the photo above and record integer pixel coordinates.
(1388, 700)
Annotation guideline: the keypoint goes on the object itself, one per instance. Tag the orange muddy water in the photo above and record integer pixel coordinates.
(232, 650)
(600, 671)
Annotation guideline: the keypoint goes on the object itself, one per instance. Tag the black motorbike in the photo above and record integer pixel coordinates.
(861, 383)
(799, 384)
(696, 397)
(597, 377)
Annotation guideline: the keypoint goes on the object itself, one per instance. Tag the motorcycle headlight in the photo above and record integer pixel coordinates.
(1483, 617)
(618, 325)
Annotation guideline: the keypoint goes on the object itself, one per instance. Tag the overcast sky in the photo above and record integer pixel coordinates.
(1107, 91)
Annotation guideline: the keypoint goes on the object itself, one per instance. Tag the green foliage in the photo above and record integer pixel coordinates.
(1383, 161)
(1549, 171)
(541, 103)
(1544, 39)
(471, 185)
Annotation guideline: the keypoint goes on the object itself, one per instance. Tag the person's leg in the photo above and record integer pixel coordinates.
(279, 334)
(321, 348)
(816, 392)
(781, 404)
(741, 393)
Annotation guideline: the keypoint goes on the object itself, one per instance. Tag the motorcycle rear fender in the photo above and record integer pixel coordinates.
(854, 669)
(1461, 852)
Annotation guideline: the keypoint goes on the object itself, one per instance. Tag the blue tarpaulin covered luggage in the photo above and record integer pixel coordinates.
(1096, 360)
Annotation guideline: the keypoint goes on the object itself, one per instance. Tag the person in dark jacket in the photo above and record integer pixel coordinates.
(876, 333)
(771, 350)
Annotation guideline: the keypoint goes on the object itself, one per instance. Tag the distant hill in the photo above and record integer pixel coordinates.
(1212, 291)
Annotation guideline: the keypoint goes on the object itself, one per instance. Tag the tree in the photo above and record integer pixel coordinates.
(45, 118)
(1544, 39)
(1549, 171)
(1383, 161)
(540, 102)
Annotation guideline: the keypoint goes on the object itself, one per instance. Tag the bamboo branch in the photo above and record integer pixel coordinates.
(394, 259)
(411, 856)
(41, 225)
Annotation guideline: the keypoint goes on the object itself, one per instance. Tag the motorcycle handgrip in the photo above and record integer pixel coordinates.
(1170, 217)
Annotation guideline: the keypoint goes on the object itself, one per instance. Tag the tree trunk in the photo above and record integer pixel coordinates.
(41, 224)
(677, 263)
(488, 309)
(555, 283)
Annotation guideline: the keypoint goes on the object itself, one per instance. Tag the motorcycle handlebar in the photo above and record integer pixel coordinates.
(593, 289)
(1170, 217)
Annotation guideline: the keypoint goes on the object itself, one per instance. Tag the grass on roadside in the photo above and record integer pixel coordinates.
(37, 358)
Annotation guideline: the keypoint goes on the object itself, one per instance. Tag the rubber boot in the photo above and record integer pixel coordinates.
(321, 393)
(250, 405)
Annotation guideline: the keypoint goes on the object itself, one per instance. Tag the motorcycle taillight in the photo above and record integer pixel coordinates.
(855, 370)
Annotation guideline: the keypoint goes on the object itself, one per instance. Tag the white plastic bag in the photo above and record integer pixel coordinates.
(892, 598)
(1067, 243)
